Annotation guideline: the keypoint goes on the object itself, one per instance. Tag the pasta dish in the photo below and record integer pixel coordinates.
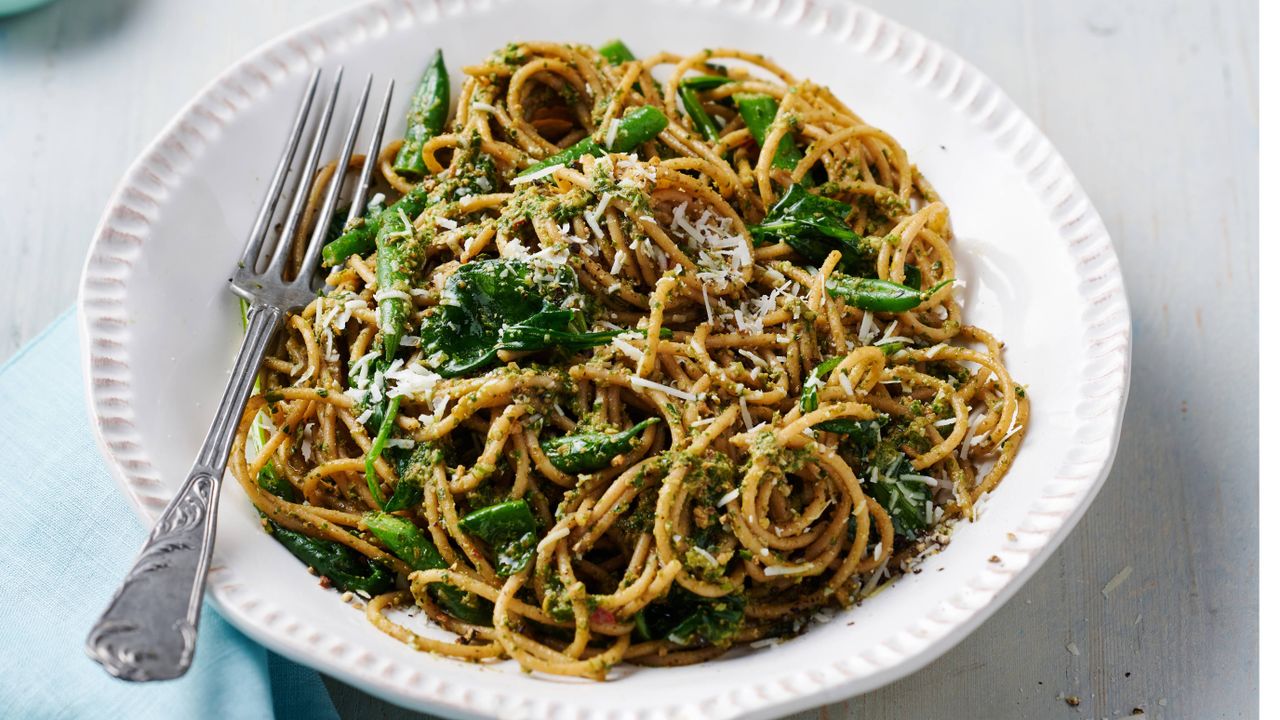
(628, 360)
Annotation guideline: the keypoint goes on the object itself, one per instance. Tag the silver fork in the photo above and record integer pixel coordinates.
(148, 632)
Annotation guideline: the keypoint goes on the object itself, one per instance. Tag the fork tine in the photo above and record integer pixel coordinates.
(280, 255)
(371, 157)
(316, 243)
(249, 258)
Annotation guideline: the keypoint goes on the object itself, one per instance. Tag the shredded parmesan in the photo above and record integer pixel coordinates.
(538, 175)
(749, 421)
(868, 328)
(389, 294)
(728, 497)
(612, 133)
(845, 384)
(776, 570)
(892, 339)
(638, 382)
(628, 349)
(706, 555)
(927, 480)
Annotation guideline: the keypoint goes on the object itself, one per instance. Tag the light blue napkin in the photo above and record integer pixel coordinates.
(68, 537)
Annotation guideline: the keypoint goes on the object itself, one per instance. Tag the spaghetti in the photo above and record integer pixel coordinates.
(638, 405)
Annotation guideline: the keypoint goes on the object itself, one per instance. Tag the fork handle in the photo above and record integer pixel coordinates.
(148, 632)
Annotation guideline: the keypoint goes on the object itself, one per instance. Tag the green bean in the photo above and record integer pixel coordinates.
(705, 82)
(698, 114)
(616, 52)
(759, 113)
(356, 240)
(879, 295)
(371, 458)
(361, 237)
(345, 568)
(637, 126)
(395, 267)
(591, 451)
(428, 112)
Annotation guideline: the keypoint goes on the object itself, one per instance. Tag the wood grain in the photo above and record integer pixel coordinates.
(1154, 106)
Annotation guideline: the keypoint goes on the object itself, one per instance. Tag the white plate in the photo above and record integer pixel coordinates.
(159, 329)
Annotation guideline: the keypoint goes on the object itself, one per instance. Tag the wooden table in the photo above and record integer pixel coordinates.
(1155, 107)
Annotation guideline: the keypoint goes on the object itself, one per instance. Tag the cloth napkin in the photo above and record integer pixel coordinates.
(68, 537)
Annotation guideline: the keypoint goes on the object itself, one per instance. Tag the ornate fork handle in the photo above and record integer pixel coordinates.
(148, 631)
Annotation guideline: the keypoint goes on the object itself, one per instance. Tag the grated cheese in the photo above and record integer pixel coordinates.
(612, 133)
(389, 294)
(844, 383)
(892, 339)
(776, 570)
(628, 349)
(728, 497)
(927, 480)
(868, 327)
(749, 421)
(639, 382)
(708, 556)
(537, 175)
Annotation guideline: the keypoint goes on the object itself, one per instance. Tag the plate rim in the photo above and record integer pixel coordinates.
(122, 232)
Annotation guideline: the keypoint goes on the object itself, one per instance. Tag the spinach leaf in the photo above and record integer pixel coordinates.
(864, 434)
(504, 304)
(272, 481)
(591, 451)
(345, 568)
(412, 472)
(509, 529)
(903, 499)
(813, 226)
(911, 276)
(685, 618)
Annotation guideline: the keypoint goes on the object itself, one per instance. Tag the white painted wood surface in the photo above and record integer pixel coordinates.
(1154, 105)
